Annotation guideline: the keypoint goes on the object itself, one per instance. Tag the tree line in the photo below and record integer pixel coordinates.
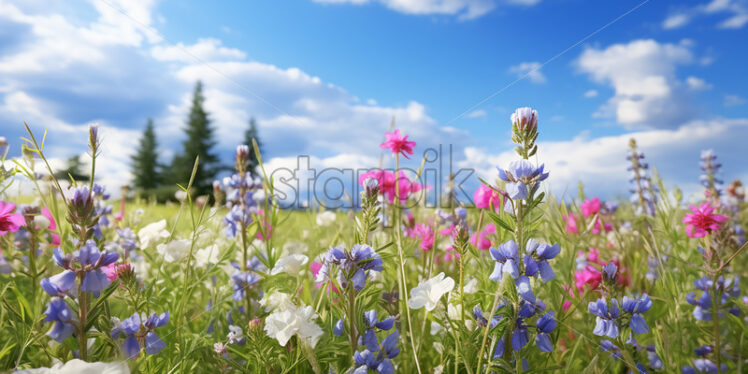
(151, 177)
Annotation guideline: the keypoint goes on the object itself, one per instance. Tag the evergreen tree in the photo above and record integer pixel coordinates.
(74, 169)
(145, 160)
(250, 134)
(200, 142)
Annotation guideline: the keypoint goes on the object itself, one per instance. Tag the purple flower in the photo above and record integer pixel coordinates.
(525, 118)
(59, 313)
(354, 265)
(522, 284)
(371, 320)
(544, 326)
(506, 257)
(60, 284)
(536, 259)
(605, 323)
(377, 357)
(135, 332)
(339, 328)
(521, 177)
(243, 281)
(635, 307)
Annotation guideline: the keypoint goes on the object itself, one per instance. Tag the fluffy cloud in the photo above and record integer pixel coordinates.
(464, 9)
(601, 162)
(590, 94)
(697, 84)
(642, 75)
(530, 70)
(736, 11)
(58, 76)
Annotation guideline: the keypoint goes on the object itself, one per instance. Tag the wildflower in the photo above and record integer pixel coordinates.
(235, 335)
(295, 247)
(9, 221)
(571, 223)
(521, 178)
(480, 240)
(60, 284)
(219, 348)
(325, 218)
(536, 259)
(709, 179)
(526, 119)
(354, 265)
(141, 335)
(545, 325)
(174, 250)
(276, 301)
(397, 143)
(282, 325)
(605, 322)
(507, 258)
(243, 281)
(377, 357)
(589, 276)
(727, 289)
(52, 226)
(426, 234)
(428, 293)
(643, 191)
(153, 233)
(82, 367)
(636, 307)
(485, 197)
(701, 222)
(208, 255)
(59, 313)
(702, 364)
(290, 264)
(590, 207)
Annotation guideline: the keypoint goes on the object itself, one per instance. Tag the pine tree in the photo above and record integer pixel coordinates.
(250, 134)
(73, 169)
(145, 167)
(200, 143)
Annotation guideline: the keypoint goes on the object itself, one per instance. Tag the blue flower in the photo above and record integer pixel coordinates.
(536, 259)
(59, 313)
(522, 284)
(605, 323)
(506, 257)
(377, 357)
(521, 176)
(545, 325)
(608, 346)
(354, 265)
(654, 360)
(135, 331)
(482, 321)
(60, 284)
(371, 320)
(243, 281)
(339, 328)
(637, 323)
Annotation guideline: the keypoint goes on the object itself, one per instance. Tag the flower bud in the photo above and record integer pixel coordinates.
(242, 154)
(93, 136)
(371, 186)
(526, 119)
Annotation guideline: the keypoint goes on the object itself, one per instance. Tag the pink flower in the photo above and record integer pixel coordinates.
(398, 143)
(567, 305)
(9, 221)
(594, 256)
(484, 196)
(110, 271)
(52, 226)
(571, 223)
(426, 234)
(590, 277)
(483, 242)
(702, 222)
(315, 268)
(590, 207)
(266, 225)
(387, 181)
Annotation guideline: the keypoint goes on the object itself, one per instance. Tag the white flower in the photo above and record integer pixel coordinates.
(294, 247)
(235, 333)
(41, 221)
(471, 286)
(180, 195)
(174, 250)
(290, 264)
(153, 233)
(277, 301)
(435, 328)
(428, 293)
(282, 325)
(207, 255)
(326, 218)
(76, 366)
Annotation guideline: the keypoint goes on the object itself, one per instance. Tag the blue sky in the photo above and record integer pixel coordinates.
(324, 77)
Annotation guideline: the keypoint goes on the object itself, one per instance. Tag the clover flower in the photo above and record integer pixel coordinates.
(702, 221)
(397, 143)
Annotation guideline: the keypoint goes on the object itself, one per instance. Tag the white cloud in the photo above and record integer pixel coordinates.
(675, 21)
(736, 10)
(601, 162)
(530, 70)
(208, 49)
(478, 113)
(590, 93)
(464, 9)
(697, 84)
(642, 74)
(733, 100)
(60, 77)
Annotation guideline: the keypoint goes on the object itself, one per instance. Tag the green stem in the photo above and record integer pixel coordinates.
(715, 319)
(402, 276)
(83, 321)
